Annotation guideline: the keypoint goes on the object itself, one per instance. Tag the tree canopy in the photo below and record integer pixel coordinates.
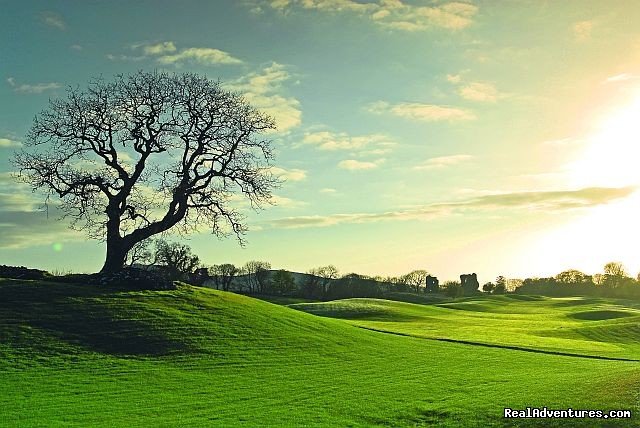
(148, 152)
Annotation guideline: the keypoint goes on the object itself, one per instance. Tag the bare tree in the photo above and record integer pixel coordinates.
(256, 275)
(176, 258)
(326, 275)
(148, 152)
(141, 253)
(223, 275)
(415, 279)
(614, 274)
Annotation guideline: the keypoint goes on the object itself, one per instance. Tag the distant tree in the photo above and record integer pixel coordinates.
(614, 275)
(223, 275)
(415, 279)
(452, 289)
(256, 275)
(283, 282)
(176, 258)
(512, 284)
(488, 287)
(354, 285)
(572, 277)
(148, 153)
(325, 275)
(141, 253)
(501, 285)
(598, 279)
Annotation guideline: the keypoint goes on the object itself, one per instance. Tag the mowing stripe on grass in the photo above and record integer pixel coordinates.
(513, 348)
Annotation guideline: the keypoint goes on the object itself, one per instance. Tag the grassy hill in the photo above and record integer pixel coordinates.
(72, 355)
(595, 327)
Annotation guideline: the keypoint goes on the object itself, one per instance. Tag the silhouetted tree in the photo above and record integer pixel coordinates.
(488, 287)
(282, 282)
(501, 285)
(141, 253)
(452, 289)
(223, 275)
(176, 258)
(325, 275)
(148, 152)
(256, 276)
(415, 279)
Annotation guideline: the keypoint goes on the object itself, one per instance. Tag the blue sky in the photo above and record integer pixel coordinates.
(496, 137)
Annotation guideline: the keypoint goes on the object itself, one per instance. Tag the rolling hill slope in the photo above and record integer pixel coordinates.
(73, 355)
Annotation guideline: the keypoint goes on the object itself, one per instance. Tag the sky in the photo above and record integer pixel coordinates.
(496, 137)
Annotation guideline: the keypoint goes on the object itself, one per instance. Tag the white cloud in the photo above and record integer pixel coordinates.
(479, 91)
(582, 30)
(262, 89)
(418, 111)
(205, 56)
(327, 140)
(8, 142)
(289, 174)
(328, 190)
(284, 202)
(356, 165)
(36, 88)
(392, 14)
(443, 162)
(53, 19)
(543, 201)
(168, 54)
(159, 48)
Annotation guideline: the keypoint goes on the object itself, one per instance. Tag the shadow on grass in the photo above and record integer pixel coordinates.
(601, 315)
(90, 317)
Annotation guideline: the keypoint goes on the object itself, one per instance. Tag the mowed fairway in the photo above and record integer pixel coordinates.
(78, 356)
(587, 326)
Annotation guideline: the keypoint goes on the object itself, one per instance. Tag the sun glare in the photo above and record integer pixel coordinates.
(612, 152)
(606, 232)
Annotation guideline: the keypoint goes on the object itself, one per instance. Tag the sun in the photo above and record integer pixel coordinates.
(611, 157)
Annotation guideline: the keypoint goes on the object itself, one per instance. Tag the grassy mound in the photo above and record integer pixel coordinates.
(80, 356)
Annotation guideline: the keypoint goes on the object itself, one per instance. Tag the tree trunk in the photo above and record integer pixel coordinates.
(116, 256)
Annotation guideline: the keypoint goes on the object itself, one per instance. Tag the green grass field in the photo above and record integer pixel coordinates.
(73, 355)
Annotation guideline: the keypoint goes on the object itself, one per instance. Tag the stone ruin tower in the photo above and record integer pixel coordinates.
(432, 284)
(469, 283)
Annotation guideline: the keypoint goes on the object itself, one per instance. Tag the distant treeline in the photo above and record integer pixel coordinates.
(326, 282)
(167, 261)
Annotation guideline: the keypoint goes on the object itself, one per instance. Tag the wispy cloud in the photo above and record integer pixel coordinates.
(328, 190)
(289, 174)
(8, 142)
(35, 88)
(327, 140)
(22, 221)
(53, 20)
(356, 165)
(391, 14)
(263, 89)
(622, 77)
(205, 56)
(443, 162)
(479, 91)
(582, 30)
(418, 111)
(541, 201)
(161, 48)
(167, 53)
